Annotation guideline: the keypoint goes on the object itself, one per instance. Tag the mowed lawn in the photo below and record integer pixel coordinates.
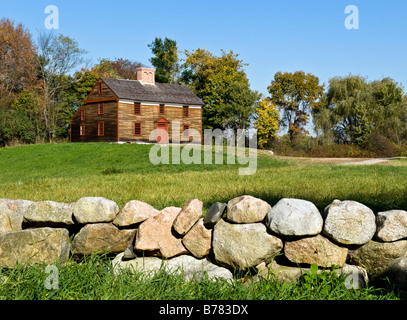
(66, 172)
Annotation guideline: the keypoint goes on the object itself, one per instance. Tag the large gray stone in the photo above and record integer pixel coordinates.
(95, 209)
(50, 212)
(294, 217)
(282, 273)
(243, 245)
(391, 225)
(193, 268)
(42, 245)
(246, 209)
(12, 214)
(317, 249)
(356, 276)
(377, 256)
(349, 222)
(188, 266)
(102, 238)
(396, 272)
(214, 214)
(134, 212)
(148, 265)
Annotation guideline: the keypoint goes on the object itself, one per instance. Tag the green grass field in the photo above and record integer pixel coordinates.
(67, 172)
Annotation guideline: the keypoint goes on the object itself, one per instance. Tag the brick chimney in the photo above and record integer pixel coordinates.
(146, 75)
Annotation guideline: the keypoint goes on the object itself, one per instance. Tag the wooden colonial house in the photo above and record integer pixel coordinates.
(129, 110)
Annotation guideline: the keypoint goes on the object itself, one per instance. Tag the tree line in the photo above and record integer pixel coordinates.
(44, 82)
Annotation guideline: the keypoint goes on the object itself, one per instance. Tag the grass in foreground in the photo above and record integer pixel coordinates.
(93, 279)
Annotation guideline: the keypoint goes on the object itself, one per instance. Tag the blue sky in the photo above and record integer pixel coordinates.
(269, 35)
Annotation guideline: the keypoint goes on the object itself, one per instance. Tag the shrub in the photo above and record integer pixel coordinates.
(381, 146)
(15, 126)
(339, 151)
(306, 146)
(403, 151)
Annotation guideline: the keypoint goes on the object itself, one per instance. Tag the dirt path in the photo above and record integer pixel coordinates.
(367, 162)
(341, 161)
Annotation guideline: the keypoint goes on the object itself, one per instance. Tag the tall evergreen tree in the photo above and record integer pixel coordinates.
(165, 60)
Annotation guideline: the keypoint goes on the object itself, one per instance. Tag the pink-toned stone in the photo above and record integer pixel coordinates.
(155, 235)
(198, 240)
(134, 212)
(247, 209)
(189, 215)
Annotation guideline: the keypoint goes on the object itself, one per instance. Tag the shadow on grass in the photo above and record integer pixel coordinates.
(377, 203)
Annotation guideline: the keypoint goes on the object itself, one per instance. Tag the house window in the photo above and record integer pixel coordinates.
(185, 130)
(185, 112)
(137, 108)
(137, 128)
(82, 114)
(101, 108)
(81, 129)
(100, 88)
(101, 128)
(162, 109)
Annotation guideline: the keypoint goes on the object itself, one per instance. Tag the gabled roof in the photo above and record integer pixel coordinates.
(158, 92)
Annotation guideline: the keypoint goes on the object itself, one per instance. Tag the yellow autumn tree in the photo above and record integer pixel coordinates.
(267, 123)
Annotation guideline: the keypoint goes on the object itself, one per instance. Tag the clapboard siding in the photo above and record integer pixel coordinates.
(106, 93)
(150, 114)
(92, 118)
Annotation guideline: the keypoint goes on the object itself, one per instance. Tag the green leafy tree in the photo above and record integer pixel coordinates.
(239, 106)
(266, 123)
(82, 86)
(389, 111)
(29, 103)
(355, 110)
(349, 99)
(72, 98)
(296, 95)
(105, 69)
(15, 126)
(323, 124)
(165, 60)
(223, 86)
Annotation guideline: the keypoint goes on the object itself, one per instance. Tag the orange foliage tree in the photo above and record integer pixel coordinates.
(17, 59)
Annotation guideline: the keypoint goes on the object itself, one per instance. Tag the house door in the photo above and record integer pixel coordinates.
(162, 133)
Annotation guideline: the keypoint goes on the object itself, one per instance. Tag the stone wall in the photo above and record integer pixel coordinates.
(245, 233)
